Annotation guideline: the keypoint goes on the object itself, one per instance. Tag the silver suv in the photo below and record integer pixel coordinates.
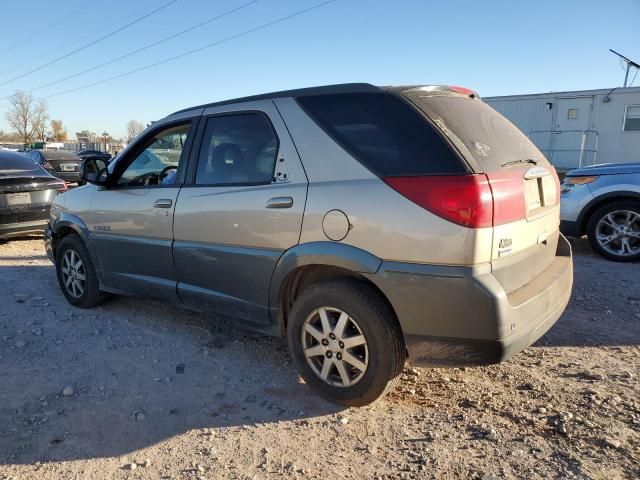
(369, 225)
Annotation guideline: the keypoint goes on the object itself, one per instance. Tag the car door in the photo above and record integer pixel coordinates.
(241, 209)
(130, 220)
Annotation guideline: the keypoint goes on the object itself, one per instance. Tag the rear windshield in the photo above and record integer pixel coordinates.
(384, 133)
(10, 161)
(58, 155)
(493, 141)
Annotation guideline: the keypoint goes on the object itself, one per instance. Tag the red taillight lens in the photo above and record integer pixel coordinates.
(465, 200)
(557, 179)
(508, 196)
(60, 186)
(474, 201)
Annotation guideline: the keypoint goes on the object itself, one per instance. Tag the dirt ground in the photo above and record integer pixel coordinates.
(152, 391)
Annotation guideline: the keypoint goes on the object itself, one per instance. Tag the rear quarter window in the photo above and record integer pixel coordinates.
(384, 133)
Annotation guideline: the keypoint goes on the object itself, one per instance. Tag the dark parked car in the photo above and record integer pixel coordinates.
(59, 163)
(94, 154)
(26, 193)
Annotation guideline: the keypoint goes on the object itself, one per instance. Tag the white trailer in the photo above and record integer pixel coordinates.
(578, 128)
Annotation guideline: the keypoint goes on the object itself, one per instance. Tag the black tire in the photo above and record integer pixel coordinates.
(598, 215)
(375, 320)
(91, 295)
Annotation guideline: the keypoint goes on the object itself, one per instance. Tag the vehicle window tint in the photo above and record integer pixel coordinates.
(157, 163)
(237, 149)
(384, 133)
(491, 139)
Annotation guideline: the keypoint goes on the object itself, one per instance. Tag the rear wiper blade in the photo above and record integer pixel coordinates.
(519, 162)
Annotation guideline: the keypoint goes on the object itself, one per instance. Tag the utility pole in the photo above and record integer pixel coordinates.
(630, 63)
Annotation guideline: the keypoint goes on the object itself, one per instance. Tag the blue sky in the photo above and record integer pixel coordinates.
(495, 47)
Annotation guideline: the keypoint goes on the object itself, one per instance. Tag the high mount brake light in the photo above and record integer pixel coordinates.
(463, 90)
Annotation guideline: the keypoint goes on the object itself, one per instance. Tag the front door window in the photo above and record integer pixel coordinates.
(157, 164)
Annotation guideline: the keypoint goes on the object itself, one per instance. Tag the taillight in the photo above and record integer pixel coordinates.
(508, 196)
(465, 200)
(474, 201)
(47, 165)
(59, 186)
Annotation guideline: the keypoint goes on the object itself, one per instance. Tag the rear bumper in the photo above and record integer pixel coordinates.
(17, 229)
(461, 316)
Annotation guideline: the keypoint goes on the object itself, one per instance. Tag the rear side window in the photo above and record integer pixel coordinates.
(237, 149)
(384, 133)
(493, 141)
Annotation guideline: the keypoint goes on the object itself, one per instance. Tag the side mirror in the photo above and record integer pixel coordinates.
(94, 170)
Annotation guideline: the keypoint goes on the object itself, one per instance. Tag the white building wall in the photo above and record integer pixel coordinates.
(531, 113)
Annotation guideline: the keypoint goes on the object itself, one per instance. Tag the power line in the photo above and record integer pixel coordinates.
(83, 47)
(40, 32)
(191, 52)
(141, 49)
(77, 40)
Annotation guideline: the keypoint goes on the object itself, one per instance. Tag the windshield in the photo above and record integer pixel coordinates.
(493, 141)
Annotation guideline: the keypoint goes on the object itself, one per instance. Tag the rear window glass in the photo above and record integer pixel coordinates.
(15, 161)
(58, 155)
(492, 140)
(384, 133)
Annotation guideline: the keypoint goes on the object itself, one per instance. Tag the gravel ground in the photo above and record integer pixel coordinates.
(136, 389)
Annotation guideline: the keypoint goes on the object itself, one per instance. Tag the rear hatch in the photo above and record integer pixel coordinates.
(26, 191)
(523, 185)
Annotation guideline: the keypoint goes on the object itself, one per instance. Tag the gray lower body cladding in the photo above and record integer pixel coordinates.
(462, 316)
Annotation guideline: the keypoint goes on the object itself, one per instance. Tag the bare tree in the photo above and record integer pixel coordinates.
(25, 115)
(41, 120)
(58, 130)
(134, 128)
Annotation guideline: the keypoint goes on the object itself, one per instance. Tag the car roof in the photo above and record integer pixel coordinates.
(300, 92)
(323, 90)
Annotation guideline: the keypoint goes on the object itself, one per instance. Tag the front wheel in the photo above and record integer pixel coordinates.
(76, 275)
(345, 342)
(614, 231)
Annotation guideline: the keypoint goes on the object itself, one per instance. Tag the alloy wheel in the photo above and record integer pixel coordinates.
(618, 233)
(335, 347)
(74, 274)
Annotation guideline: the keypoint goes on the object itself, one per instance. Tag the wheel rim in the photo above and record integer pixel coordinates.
(335, 347)
(618, 233)
(74, 275)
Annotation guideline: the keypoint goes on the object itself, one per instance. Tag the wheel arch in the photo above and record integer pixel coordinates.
(69, 224)
(602, 200)
(307, 264)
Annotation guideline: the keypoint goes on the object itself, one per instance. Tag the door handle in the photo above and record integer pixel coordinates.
(279, 202)
(163, 203)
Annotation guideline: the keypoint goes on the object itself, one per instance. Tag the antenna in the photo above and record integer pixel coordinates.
(630, 63)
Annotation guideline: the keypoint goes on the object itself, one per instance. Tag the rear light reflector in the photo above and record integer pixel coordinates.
(465, 200)
(474, 201)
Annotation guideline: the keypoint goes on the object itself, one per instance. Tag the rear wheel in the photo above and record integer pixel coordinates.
(614, 231)
(345, 342)
(76, 274)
